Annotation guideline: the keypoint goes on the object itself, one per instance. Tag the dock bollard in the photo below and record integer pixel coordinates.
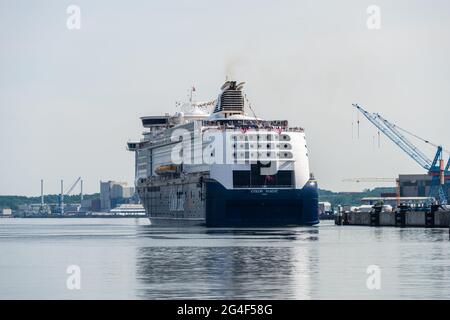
(429, 216)
(375, 216)
(338, 219)
(345, 218)
(341, 218)
(400, 215)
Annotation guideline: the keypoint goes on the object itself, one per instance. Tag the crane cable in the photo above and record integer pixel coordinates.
(420, 138)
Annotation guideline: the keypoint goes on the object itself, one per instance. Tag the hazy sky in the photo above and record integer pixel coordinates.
(71, 99)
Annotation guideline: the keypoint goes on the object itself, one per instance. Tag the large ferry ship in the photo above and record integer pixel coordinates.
(212, 164)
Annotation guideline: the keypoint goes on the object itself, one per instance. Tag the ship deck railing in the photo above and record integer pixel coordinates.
(239, 125)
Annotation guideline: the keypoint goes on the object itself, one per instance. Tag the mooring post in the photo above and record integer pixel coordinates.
(338, 218)
(400, 215)
(429, 216)
(375, 215)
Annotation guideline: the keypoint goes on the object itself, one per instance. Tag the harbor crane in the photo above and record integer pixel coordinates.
(68, 192)
(435, 167)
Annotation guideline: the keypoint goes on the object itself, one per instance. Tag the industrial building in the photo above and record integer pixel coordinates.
(418, 185)
(90, 205)
(113, 193)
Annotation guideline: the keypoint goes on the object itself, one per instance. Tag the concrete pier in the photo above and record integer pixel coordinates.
(431, 218)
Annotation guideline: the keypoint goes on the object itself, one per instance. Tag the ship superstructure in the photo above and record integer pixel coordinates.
(224, 168)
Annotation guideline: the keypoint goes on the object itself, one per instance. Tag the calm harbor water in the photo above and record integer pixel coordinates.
(130, 259)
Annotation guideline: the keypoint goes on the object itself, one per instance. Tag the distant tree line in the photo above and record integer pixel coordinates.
(14, 201)
(335, 198)
(351, 198)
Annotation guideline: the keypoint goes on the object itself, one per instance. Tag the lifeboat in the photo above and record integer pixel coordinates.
(166, 169)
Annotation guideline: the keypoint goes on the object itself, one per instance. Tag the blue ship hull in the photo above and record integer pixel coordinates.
(261, 207)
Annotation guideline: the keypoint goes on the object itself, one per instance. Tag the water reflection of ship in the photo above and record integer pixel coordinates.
(233, 264)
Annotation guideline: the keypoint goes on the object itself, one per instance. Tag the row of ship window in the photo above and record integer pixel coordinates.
(179, 193)
(271, 137)
(283, 155)
(268, 146)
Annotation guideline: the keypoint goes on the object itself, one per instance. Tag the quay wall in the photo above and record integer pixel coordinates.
(429, 219)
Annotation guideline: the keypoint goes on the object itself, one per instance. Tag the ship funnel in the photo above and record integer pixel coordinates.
(231, 99)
